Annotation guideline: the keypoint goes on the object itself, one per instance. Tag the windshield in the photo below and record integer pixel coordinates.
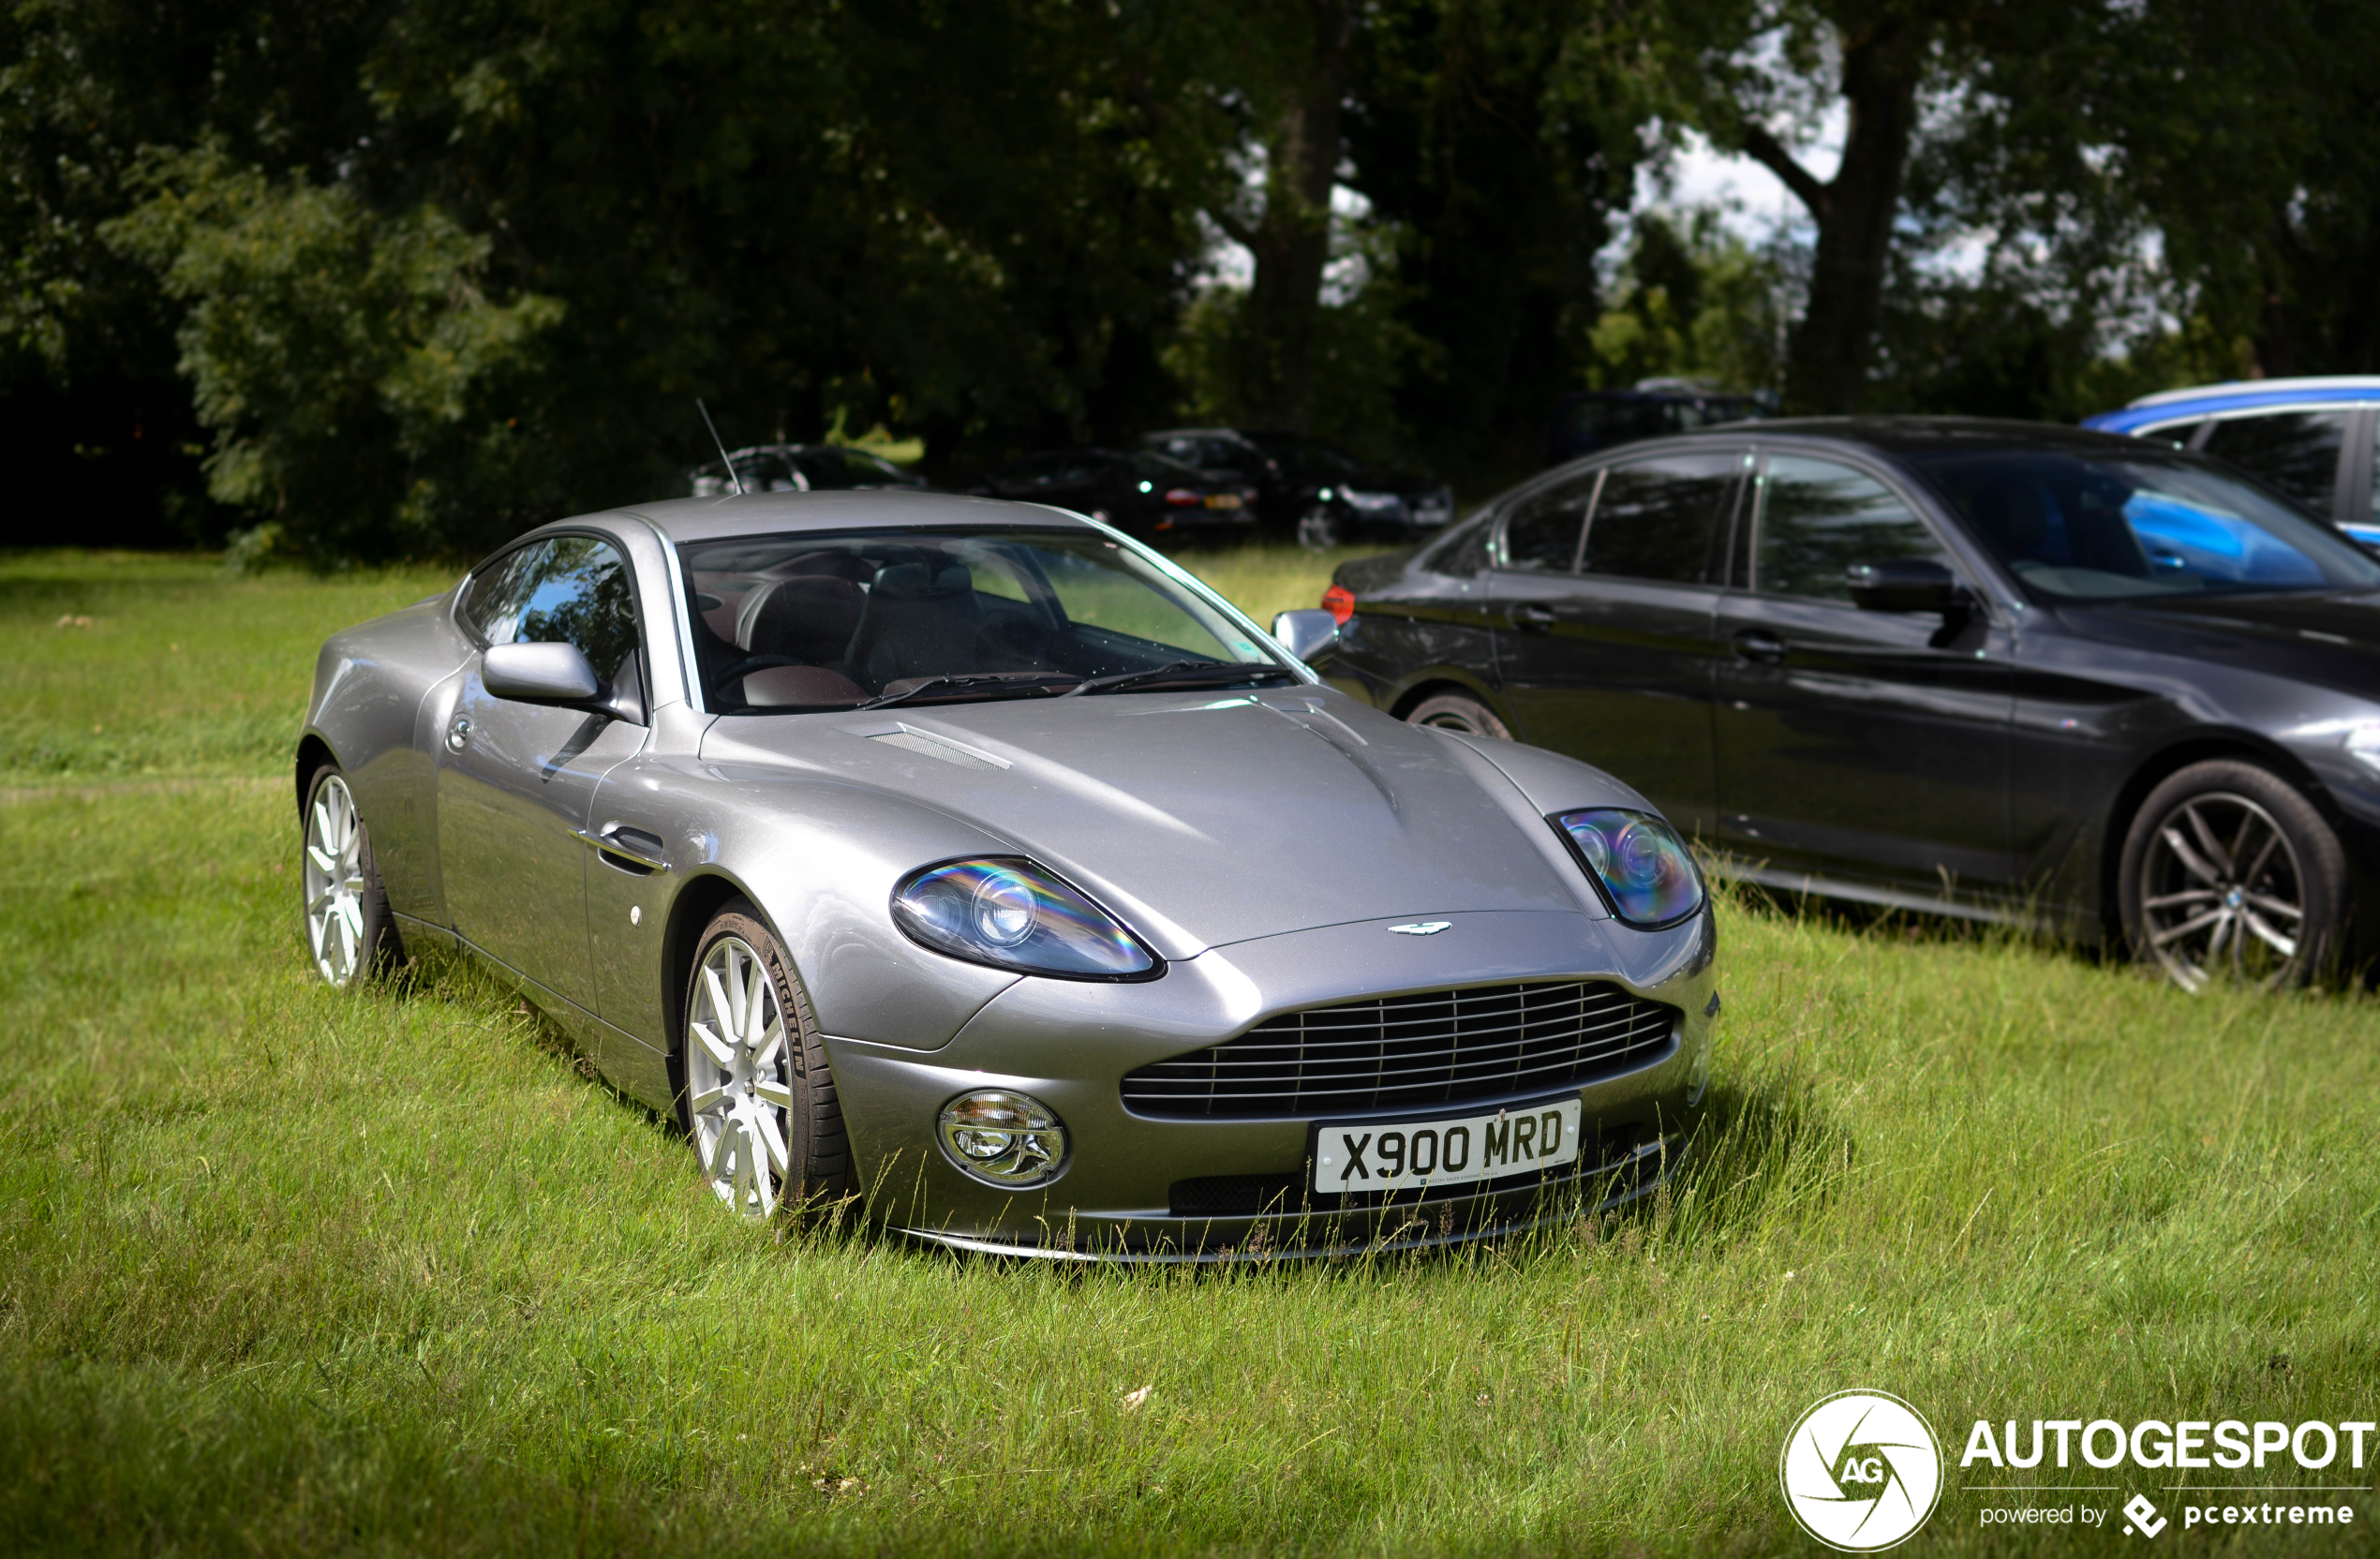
(2071, 528)
(817, 620)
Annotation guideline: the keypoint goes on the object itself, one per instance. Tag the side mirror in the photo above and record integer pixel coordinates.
(1306, 634)
(1904, 584)
(540, 673)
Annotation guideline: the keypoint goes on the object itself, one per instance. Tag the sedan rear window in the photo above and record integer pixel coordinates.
(823, 621)
(2073, 527)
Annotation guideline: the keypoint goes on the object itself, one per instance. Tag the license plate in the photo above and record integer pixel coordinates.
(1223, 500)
(1402, 1155)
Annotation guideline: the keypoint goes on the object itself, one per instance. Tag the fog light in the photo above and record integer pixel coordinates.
(1003, 1138)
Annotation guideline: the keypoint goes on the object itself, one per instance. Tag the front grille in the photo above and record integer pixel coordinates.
(1400, 1052)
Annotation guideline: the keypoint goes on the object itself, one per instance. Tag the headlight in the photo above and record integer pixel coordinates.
(1003, 1138)
(1647, 876)
(2363, 746)
(1014, 914)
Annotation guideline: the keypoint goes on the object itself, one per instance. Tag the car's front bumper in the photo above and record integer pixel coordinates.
(1126, 1190)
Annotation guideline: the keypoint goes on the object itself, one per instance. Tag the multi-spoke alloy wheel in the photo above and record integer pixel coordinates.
(1458, 712)
(2231, 876)
(739, 1086)
(341, 912)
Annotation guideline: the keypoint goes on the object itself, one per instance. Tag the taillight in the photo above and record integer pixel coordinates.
(1184, 497)
(1340, 603)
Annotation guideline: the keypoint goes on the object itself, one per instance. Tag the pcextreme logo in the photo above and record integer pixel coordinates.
(1861, 1471)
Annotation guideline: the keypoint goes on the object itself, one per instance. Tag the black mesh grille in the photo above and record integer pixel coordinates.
(1440, 1048)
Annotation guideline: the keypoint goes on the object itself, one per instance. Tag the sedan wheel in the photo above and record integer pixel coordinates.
(758, 1103)
(348, 932)
(2230, 875)
(1319, 529)
(1458, 712)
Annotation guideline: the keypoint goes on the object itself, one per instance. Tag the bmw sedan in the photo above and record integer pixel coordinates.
(971, 859)
(1986, 668)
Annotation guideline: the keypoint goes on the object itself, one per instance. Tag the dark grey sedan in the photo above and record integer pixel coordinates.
(1989, 669)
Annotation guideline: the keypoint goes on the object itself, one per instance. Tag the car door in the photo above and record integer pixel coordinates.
(516, 781)
(1856, 744)
(1603, 598)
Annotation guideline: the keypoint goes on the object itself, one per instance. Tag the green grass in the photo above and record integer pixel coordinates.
(286, 1271)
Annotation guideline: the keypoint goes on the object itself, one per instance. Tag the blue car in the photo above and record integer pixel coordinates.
(2311, 438)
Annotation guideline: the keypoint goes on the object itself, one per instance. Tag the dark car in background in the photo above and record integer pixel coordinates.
(1140, 492)
(1999, 670)
(804, 468)
(1594, 419)
(2314, 438)
(1307, 487)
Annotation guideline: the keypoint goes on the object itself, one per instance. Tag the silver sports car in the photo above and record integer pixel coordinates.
(969, 858)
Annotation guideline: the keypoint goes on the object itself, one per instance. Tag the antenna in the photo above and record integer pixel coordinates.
(722, 446)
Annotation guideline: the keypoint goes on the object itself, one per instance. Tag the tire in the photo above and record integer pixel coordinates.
(1319, 529)
(2230, 876)
(350, 934)
(761, 1112)
(1458, 712)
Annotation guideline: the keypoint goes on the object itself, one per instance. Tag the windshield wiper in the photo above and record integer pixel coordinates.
(1186, 674)
(976, 685)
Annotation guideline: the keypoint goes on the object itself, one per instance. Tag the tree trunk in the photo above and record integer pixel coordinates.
(1276, 337)
(1827, 367)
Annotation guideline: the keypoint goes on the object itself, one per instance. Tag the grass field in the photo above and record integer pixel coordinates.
(288, 1272)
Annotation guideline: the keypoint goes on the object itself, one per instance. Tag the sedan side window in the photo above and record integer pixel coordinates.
(1655, 518)
(1818, 518)
(2296, 451)
(1543, 535)
(573, 590)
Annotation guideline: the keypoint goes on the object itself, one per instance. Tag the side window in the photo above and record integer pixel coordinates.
(1656, 517)
(2296, 451)
(1541, 536)
(1818, 518)
(573, 590)
(1465, 553)
(492, 606)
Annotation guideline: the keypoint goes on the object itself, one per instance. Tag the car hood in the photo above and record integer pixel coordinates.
(2331, 640)
(1208, 819)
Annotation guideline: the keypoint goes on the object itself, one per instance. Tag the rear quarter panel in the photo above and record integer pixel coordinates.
(368, 683)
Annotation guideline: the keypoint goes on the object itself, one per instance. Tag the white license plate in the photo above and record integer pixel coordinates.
(1400, 1155)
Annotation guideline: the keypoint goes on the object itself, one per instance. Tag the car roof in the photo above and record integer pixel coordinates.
(1904, 436)
(2168, 405)
(732, 514)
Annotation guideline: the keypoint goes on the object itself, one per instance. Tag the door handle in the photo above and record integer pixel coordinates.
(459, 735)
(1531, 617)
(1759, 645)
(629, 848)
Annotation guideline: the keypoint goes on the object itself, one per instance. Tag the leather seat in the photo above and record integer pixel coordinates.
(922, 620)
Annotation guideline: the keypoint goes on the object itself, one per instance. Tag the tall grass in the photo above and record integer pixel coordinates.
(285, 1270)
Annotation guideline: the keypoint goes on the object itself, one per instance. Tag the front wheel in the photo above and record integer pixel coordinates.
(2229, 875)
(755, 1094)
(1458, 712)
(1319, 529)
(350, 933)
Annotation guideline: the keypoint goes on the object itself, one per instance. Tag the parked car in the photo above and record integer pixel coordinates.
(1309, 489)
(969, 858)
(1594, 419)
(802, 468)
(2313, 438)
(1992, 669)
(1139, 492)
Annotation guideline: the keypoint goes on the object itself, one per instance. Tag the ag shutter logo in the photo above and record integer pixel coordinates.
(1861, 1471)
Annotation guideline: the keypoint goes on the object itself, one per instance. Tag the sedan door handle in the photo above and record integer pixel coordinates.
(1759, 645)
(1531, 617)
(630, 850)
